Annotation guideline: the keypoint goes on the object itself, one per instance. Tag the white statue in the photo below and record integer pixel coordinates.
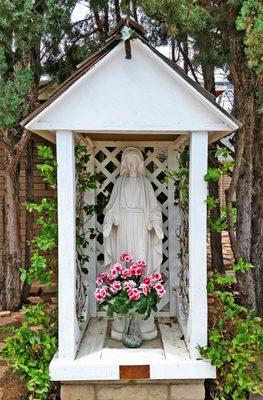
(133, 223)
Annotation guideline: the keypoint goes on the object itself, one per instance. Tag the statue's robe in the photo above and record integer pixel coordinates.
(133, 208)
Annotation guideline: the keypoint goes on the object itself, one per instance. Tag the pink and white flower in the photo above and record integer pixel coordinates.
(157, 277)
(127, 257)
(99, 281)
(144, 288)
(136, 269)
(126, 273)
(115, 287)
(134, 294)
(118, 267)
(147, 280)
(101, 278)
(101, 294)
(116, 270)
(141, 263)
(129, 284)
(159, 289)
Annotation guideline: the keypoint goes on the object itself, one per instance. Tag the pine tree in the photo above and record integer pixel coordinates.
(36, 38)
(229, 33)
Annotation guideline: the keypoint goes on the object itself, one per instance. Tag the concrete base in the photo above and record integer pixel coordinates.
(134, 390)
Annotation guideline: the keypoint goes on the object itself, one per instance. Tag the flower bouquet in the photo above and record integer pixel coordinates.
(126, 291)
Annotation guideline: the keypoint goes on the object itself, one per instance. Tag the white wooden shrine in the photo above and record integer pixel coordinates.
(110, 103)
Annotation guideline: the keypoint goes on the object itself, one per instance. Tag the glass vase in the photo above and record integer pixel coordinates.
(132, 336)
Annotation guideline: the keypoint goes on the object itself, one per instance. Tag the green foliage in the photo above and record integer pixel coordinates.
(180, 178)
(241, 266)
(85, 181)
(30, 348)
(41, 262)
(250, 21)
(120, 304)
(214, 174)
(212, 202)
(33, 36)
(48, 167)
(235, 340)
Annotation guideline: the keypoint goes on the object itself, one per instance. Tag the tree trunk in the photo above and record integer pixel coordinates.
(217, 260)
(245, 103)
(10, 294)
(29, 217)
(117, 10)
(257, 215)
(10, 297)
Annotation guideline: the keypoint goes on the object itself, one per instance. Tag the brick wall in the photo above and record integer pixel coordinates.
(40, 190)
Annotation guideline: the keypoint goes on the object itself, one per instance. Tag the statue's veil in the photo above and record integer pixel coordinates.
(138, 153)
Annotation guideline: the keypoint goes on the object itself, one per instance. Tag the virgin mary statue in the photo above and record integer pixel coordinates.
(133, 223)
(133, 219)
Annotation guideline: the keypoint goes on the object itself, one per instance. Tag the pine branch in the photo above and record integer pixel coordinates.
(189, 63)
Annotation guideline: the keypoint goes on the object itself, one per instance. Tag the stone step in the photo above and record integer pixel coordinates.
(172, 390)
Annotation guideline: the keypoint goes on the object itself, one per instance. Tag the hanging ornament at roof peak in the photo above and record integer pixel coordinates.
(127, 33)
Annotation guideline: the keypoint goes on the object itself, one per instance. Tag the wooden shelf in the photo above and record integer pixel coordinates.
(101, 358)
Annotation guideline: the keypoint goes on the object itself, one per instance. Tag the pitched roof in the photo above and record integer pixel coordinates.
(111, 43)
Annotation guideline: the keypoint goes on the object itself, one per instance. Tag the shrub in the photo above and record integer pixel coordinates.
(235, 340)
(30, 348)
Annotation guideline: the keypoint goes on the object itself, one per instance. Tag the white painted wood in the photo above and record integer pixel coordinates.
(68, 325)
(90, 198)
(145, 95)
(173, 343)
(93, 340)
(173, 221)
(197, 319)
(173, 144)
(96, 360)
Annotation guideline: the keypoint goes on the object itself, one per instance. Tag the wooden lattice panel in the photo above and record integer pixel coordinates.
(107, 165)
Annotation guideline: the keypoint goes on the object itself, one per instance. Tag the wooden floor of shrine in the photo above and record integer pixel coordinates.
(101, 358)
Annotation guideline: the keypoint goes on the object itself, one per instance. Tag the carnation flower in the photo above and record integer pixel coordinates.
(115, 287)
(127, 257)
(114, 272)
(136, 269)
(99, 281)
(126, 273)
(101, 293)
(118, 267)
(144, 288)
(147, 280)
(134, 294)
(159, 289)
(141, 263)
(129, 284)
(157, 277)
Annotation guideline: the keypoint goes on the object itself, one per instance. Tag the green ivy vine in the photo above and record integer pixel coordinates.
(235, 340)
(30, 348)
(214, 174)
(41, 262)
